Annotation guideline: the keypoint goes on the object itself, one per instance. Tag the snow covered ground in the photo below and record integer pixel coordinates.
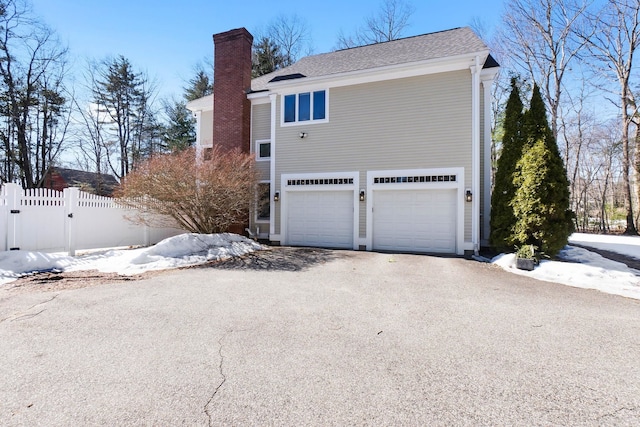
(585, 269)
(579, 267)
(178, 251)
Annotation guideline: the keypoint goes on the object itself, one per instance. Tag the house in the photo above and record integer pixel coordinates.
(101, 184)
(381, 147)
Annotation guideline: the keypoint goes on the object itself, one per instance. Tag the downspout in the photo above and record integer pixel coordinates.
(198, 116)
(487, 82)
(272, 168)
(475, 154)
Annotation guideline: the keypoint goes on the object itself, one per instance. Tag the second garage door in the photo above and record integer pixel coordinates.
(320, 218)
(415, 221)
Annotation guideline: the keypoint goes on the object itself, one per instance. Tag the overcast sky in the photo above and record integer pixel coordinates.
(167, 38)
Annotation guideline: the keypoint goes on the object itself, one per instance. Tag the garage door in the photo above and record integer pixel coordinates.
(320, 218)
(415, 221)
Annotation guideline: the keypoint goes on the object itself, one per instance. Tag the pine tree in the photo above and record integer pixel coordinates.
(267, 57)
(180, 132)
(122, 95)
(502, 217)
(200, 85)
(541, 200)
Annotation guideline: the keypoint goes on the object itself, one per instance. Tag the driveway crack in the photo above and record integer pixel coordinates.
(222, 376)
(617, 411)
(24, 315)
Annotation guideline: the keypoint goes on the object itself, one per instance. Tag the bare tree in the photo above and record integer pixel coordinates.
(387, 24)
(539, 38)
(578, 125)
(290, 33)
(32, 103)
(613, 45)
(91, 154)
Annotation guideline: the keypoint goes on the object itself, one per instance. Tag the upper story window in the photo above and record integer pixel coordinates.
(305, 107)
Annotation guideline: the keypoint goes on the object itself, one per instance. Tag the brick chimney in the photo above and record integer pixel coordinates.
(231, 80)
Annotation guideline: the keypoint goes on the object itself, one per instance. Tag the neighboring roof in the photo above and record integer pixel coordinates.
(443, 44)
(102, 183)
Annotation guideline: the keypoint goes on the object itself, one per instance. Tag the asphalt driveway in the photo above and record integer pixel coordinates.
(314, 337)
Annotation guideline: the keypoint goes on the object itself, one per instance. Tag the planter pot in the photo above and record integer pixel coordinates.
(525, 264)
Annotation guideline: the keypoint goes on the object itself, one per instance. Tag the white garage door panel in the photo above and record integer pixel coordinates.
(320, 218)
(415, 220)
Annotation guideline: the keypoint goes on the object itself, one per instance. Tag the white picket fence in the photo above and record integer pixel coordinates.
(52, 221)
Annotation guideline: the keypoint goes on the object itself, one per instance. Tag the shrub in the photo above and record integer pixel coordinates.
(541, 202)
(202, 196)
(502, 217)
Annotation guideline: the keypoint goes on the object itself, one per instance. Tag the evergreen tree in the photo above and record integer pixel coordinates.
(502, 217)
(200, 85)
(122, 95)
(541, 203)
(535, 124)
(180, 132)
(541, 200)
(266, 57)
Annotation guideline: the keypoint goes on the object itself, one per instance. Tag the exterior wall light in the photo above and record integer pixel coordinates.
(362, 195)
(276, 196)
(303, 135)
(468, 196)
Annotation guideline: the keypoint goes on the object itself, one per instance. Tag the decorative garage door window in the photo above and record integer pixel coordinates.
(320, 181)
(421, 178)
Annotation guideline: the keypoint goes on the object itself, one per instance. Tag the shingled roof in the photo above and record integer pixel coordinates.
(101, 184)
(443, 44)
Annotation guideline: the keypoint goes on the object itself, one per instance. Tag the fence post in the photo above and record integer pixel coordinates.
(146, 232)
(147, 235)
(13, 209)
(70, 202)
(4, 217)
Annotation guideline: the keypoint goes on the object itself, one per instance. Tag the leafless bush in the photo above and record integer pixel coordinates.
(202, 196)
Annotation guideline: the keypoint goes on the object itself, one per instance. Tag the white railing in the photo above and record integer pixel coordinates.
(52, 221)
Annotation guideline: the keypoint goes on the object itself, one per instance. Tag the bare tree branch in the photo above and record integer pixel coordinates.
(387, 24)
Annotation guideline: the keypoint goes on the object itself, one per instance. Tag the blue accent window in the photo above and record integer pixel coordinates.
(304, 107)
(289, 108)
(319, 105)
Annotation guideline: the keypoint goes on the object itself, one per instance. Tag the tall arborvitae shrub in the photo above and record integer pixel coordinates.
(541, 201)
(534, 123)
(502, 217)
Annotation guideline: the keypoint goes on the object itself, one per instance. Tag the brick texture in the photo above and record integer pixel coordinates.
(231, 81)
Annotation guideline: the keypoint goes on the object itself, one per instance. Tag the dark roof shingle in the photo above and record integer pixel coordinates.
(443, 44)
(103, 184)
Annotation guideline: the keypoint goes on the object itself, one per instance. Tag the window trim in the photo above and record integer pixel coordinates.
(311, 120)
(257, 150)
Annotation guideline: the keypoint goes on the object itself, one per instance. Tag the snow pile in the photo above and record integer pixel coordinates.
(14, 264)
(178, 251)
(625, 245)
(584, 269)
